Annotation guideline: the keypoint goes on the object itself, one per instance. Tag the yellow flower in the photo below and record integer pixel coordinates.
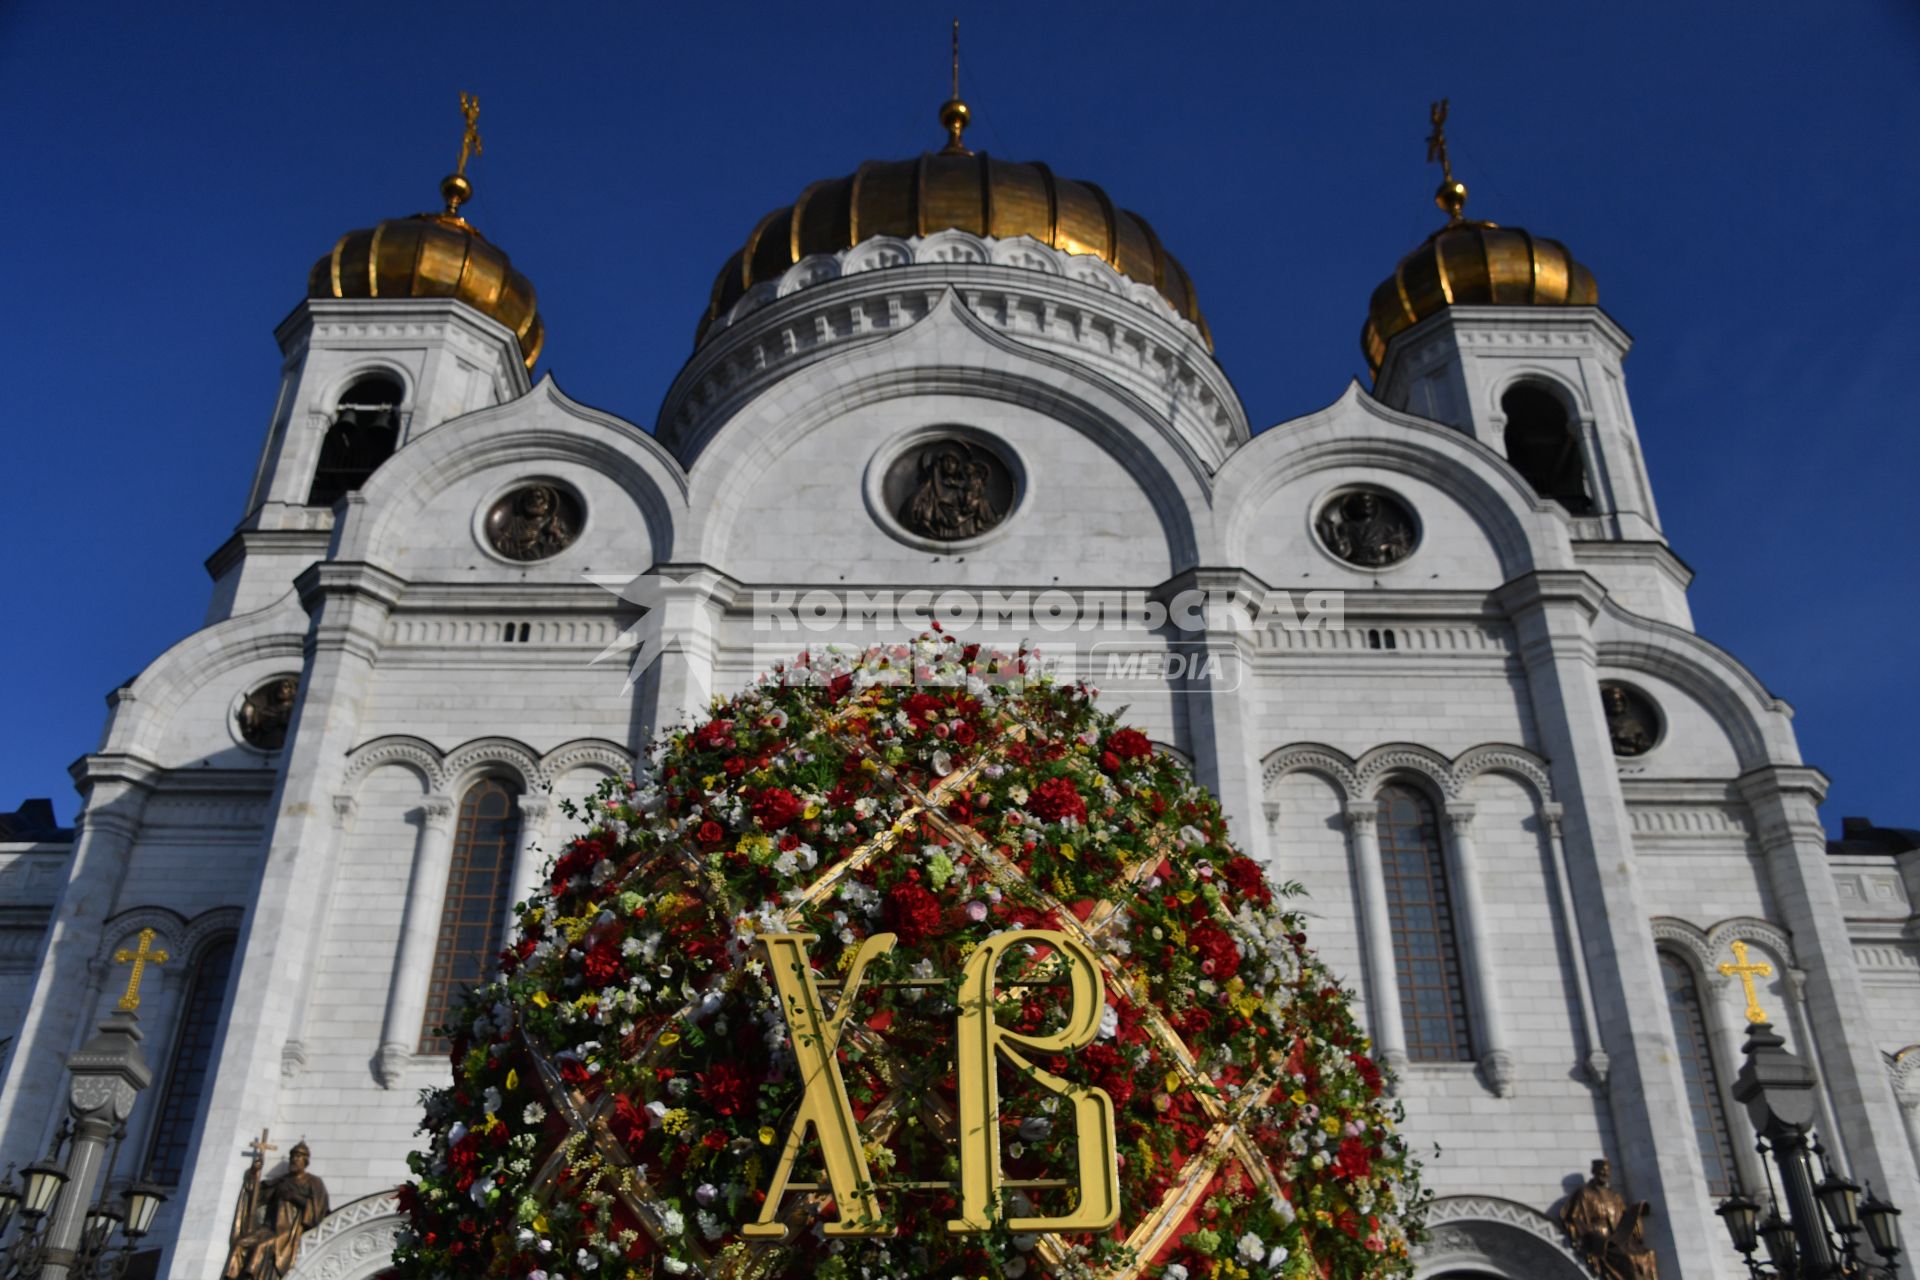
(540, 1223)
(1331, 1124)
(669, 1037)
(811, 811)
(1173, 1082)
(676, 1121)
(541, 998)
(767, 1136)
(708, 781)
(1299, 1097)
(1185, 896)
(513, 1079)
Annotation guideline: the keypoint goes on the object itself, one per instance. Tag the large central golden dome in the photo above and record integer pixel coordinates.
(960, 189)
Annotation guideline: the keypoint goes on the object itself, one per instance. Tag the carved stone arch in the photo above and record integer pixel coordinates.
(367, 366)
(415, 753)
(354, 1242)
(1405, 759)
(1497, 757)
(1330, 763)
(1688, 941)
(587, 753)
(207, 928)
(470, 761)
(170, 930)
(1904, 1067)
(1171, 752)
(1753, 930)
(1492, 1236)
(1550, 381)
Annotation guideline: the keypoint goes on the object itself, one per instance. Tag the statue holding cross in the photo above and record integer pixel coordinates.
(1747, 972)
(139, 959)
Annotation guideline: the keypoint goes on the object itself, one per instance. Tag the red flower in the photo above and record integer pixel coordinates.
(777, 807)
(1057, 799)
(1244, 874)
(1129, 744)
(602, 963)
(1369, 1073)
(714, 734)
(710, 832)
(726, 1088)
(1218, 957)
(922, 708)
(963, 734)
(912, 912)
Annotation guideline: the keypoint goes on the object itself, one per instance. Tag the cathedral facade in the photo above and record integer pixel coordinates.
(1428, 644)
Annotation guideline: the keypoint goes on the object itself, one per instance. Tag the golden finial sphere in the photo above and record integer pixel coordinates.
(455, 190)
(1451, 197)
(954, 115)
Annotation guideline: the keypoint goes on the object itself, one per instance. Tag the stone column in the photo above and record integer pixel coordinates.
(1906, 1091)
(1784, 801)
(528, 855)
(1483, 978)
(1207, 622)
(349, 602)
(293, 1053)
(1552, 615)
(419, 934)
(1376, 926)
(1596, 1060)
(117, 788)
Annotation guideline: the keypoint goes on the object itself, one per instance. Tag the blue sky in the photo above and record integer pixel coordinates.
(1741, 178)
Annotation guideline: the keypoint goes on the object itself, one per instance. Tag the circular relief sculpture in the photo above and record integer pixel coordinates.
(534, 521)
(265, 713)
(1368, 527)
(1633, 722)
(949, 489)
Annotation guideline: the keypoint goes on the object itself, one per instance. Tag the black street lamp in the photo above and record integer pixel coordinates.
(1817, 1238)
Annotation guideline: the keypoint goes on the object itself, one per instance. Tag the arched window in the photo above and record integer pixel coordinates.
(366, 425)
(1704, 1098)
(1542, 446)
(1426, 950)
(193, 1049)
(479, 889)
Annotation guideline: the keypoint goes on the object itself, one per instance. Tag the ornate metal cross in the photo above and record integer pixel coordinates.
(470, 139)
(139, 959)
(1746, 973)
(260, 1146)
(1437, 140)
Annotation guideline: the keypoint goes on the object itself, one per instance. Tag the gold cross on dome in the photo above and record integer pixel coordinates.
(1746, 973)
(139, 959)
(470, 138)
(1437, 140)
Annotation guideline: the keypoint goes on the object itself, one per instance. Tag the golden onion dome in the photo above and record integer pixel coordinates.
(959, 189)
(433, 255)
(1468, 263)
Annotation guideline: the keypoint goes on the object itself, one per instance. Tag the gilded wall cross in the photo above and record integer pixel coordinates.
(139, 959)
(1746, 973)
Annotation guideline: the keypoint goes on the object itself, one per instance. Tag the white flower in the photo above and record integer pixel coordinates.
(942, 764)
(1014, 1268)
(1278, 1256)
(1283, 1207)
(533, 1115)
(1251, 1248)
(1191, 836)
(1037, 1128)
(671, 1221)
(1109, 1022)
(490, 1101)
(1174, 1271)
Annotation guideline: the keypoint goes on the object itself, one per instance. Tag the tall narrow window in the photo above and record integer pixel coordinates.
(1542, 446)
(1426, 950)
(479, 886)
(193, 1050)
(366, 425)
(1704, 1099)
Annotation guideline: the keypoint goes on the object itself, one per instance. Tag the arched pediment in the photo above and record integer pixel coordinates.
(354, 1242)
(1486, 1235)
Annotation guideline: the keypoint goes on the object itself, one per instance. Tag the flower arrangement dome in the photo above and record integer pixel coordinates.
(433, 255)
(1470, 263)
(962, 189)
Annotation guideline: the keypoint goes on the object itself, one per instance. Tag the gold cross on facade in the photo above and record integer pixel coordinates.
(139, 959)
(1746, 973)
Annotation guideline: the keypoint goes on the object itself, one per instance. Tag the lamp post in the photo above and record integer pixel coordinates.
(1818, 1236)
(65, 1233)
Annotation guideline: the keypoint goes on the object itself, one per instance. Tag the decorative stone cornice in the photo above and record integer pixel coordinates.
(1503, 1235)
(354, 1240)
(1057, 306)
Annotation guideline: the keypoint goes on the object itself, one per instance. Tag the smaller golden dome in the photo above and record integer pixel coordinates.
(433, 255)
(1469, 263)
(1473, 264)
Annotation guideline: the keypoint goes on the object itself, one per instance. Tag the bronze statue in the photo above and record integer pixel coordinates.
(1631, 722)
(953, 498)
(272, 1216)
(531, 523)
(1607, 1231)
(267, 711)
(1367, 529)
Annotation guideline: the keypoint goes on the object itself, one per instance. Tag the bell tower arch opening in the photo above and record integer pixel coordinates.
(1543, 444)
(365, 430)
